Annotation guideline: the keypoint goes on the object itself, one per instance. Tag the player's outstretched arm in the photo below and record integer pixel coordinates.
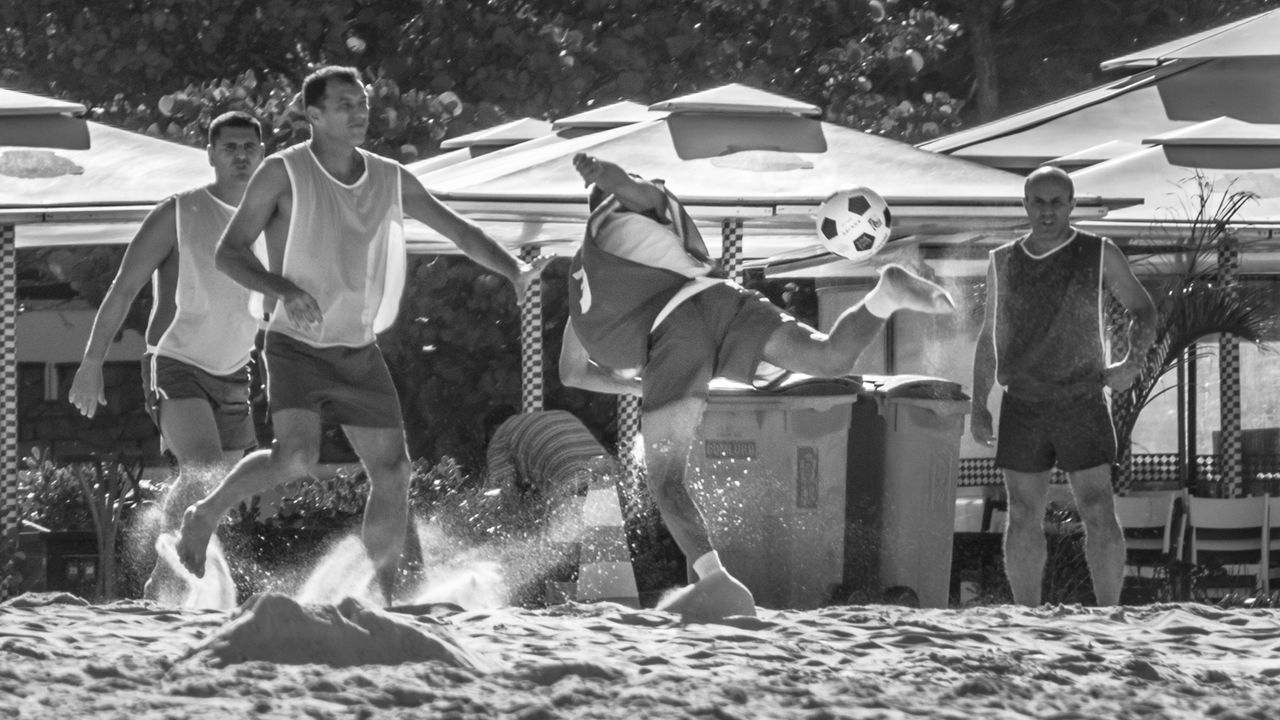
(1118, 277)
(578, 370)
(475, 243)
(149, 247)
(635, 194)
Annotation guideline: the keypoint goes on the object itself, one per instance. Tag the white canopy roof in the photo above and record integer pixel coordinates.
(34, 121)
(94, 195)
(1255, 36)
(731, 152)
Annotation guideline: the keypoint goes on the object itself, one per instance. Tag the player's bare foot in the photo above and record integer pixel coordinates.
(908, 291)
(193, 540)
(714, 597)
(164, 585)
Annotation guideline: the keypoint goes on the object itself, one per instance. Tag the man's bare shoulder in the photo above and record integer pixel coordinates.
(273, 168)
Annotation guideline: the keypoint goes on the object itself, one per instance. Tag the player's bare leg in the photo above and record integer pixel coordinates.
(385, 457)
(801, 349)
(292, 456)
(668, 435)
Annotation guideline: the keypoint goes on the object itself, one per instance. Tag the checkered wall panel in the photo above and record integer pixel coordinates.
(531, 385)
(10, 509)
(1147, 468)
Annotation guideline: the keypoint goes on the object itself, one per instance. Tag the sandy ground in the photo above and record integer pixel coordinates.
(60, 658)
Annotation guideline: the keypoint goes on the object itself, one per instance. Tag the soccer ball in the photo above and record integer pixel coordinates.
(854, 223)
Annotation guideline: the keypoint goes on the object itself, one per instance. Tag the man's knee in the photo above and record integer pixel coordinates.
(390, 470)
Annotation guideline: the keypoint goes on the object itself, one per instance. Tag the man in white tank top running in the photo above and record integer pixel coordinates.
(200, 333)
(332, 215)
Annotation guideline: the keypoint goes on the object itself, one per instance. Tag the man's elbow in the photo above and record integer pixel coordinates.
(581, 374)
(571, 376)
(222, 258)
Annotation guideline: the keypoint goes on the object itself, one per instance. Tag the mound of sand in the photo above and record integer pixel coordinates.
(275, 628)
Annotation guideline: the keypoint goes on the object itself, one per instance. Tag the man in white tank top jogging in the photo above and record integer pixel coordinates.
(1043, 339)
(200, 333)
(333, 218)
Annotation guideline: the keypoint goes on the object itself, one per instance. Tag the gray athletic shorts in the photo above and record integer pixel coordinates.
(1074, 434)
(164, 378)
(345, 385)
(720, 332)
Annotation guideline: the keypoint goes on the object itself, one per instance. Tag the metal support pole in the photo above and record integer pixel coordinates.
(531, 368)
(10, 505)
(1229, 381)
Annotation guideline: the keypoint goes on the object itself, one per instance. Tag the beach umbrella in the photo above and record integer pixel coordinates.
(1248, 38)
(1171, 170)
(1125, 111)
(482, 142)
(32, 121)
(518, 133)
(762, 161)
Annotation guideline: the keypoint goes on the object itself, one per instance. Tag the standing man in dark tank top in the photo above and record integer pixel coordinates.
(1043, 339)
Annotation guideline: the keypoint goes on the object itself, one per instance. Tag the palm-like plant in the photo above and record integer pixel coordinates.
(1193, 303)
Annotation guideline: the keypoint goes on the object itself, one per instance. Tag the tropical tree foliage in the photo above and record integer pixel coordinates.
(1194, 302)
(167, 65)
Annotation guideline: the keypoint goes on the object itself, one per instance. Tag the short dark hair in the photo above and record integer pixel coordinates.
(315, 84)
(235, 118)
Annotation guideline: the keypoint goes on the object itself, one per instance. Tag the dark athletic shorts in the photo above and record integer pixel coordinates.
(1075, 434)
(345, 385)
(164, 378)
(720, 332)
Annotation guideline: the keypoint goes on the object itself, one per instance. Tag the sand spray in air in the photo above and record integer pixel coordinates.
(214, 591)
(471, 574)
(475, 555)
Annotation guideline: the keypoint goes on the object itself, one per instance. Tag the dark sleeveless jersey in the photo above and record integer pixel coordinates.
(1048, 318)
(614, 301)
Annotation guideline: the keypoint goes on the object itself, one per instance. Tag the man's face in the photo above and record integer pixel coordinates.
(1049, 203)
(343, 113)
(235, 153)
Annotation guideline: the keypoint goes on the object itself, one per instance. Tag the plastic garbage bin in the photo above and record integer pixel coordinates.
(769, 470)
(903, 461)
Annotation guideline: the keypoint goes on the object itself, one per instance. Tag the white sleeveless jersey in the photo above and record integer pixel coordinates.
(345, 247)
(212, 327)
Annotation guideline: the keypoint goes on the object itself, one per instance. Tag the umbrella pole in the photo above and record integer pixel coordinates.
(531, 385)
(10, 506)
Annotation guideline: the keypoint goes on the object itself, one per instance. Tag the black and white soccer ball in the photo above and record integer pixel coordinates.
(854, 223)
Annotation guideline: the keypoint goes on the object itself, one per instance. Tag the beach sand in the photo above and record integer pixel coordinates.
(60, 658)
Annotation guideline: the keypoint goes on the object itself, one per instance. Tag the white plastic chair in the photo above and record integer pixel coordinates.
(1153, 531)
(1231, 532)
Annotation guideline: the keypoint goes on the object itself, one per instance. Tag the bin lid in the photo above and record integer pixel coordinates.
(794, 385)
(917, 387)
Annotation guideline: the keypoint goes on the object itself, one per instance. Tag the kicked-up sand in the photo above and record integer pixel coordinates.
(61, 658)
